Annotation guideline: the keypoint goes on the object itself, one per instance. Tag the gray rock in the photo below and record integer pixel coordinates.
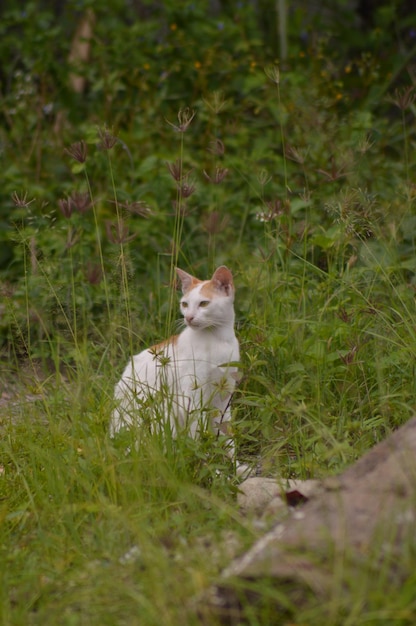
(365, 515)
(261, 496)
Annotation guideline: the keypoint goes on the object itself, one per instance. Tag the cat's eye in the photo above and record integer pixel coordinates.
(184, 305)
(204, 303)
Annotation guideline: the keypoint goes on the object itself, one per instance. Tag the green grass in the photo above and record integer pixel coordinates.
(91, 535)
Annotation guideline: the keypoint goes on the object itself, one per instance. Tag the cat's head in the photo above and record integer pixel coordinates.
(207, 303)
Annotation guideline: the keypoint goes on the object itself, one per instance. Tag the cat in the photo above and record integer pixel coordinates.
(188, 380)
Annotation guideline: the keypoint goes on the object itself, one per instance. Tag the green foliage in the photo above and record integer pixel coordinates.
(190, 144)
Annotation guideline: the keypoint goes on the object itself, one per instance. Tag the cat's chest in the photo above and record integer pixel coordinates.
(202, 355)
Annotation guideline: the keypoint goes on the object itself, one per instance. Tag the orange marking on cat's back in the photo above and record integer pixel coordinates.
(163, 344)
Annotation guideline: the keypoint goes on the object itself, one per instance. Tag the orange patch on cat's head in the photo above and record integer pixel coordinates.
(208, 289)
(211, 289)
(221, 282)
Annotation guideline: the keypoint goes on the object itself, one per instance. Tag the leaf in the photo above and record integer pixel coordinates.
(76, 168)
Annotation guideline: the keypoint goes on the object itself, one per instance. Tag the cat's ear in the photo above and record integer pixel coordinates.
(222, 280)
(186, 279)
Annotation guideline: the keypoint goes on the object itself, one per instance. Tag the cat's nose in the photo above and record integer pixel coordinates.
(189, 318)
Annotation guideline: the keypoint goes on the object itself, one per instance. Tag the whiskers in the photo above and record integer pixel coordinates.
(202, 323)
(180, 324)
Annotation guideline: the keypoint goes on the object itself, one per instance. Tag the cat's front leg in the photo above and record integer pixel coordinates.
(222, 428)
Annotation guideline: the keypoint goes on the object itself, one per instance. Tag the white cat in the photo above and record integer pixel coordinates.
(187, 381)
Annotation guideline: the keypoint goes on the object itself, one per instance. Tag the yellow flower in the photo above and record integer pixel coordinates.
(173, 26)
(197, 65)
(146, 66)
(348, 69)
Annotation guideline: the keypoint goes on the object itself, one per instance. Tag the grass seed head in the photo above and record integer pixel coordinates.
(216, 147)
(21, 201)
(404, 98)
(186, 189)
(66, 207)
(107, 139)
(118, 232)
(218, 176)
(273, 72)
(78, 151)
(185, 117)
(137, 207)
(81, 201)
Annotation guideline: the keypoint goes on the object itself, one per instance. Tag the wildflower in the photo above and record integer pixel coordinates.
(197, 65)
(173, 27)
(276, 208)
(219, 175)
(107, 139)
(118, 232)
(66, 206)
(185, 117)
(21, 201)
(78, 151)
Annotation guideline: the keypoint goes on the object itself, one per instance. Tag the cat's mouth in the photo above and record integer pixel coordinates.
(192, 324)
(198, 325)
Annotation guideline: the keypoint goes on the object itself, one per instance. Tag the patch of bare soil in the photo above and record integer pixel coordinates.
(19, 386)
